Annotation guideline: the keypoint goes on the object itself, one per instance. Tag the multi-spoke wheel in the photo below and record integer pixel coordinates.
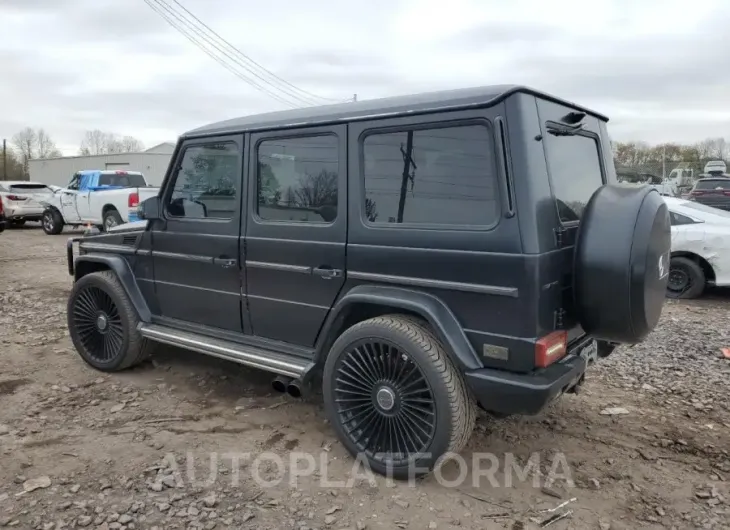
(103, 324)
(686, 278)
(52, 222)
(394, 396)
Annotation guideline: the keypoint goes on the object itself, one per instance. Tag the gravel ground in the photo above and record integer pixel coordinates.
(644, 445)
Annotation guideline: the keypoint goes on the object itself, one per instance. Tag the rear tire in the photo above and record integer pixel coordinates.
(52, 222)
(394, 396)
(112, 219)
(686, 279)
(103, 324)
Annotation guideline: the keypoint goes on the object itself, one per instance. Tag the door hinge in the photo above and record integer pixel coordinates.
(559, 236)
(559, 318)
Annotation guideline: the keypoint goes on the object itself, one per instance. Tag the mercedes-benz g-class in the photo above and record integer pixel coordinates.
(421, 256)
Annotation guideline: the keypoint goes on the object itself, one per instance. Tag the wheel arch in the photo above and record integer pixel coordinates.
(90, 263)
(108, 207)
(702, 262)
(367, 301)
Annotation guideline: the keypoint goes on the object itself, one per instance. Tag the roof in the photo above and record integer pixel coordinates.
(168, 147)
(19, 182)
(107, 172)
(459, 99)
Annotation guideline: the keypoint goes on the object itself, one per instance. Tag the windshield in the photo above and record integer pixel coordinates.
(713, 184)
(121, 179)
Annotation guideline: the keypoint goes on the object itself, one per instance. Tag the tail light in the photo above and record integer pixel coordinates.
(550, 348)
(726, 193)
(1, 205)
(16, 197)
(695, 193)
(120, 172)
(133, 200)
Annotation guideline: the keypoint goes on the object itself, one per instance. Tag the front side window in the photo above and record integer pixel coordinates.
(574, 163)
(297, 179)
(438, 176)
(207, 182)
(74, 184)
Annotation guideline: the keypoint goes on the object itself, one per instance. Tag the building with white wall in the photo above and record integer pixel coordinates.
(152, 163)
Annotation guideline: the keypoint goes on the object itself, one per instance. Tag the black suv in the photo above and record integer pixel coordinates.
(419, 255)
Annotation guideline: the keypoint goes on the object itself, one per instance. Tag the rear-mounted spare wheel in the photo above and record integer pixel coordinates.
(622, 263)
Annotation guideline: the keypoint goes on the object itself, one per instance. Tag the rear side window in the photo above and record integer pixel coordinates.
(438, 176)
(297, 179)
(710, 184)
(574, 163)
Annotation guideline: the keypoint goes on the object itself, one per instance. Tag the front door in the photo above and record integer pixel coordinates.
(297, 230)
(195, 246)
(68, 200)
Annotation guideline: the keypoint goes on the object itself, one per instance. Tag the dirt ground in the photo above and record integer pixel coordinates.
(187, 441)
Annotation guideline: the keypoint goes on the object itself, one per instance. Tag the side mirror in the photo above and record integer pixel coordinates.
(150, 209)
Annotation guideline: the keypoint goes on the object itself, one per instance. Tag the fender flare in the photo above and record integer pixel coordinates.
(88, 263)
(429, 307)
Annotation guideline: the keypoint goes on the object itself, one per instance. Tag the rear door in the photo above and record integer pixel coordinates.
(296, 234)
(195, 247)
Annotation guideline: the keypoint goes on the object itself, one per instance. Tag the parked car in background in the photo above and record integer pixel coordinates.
(712, 191)
(22, 201)
(700, 248)
(2, 216)
(100, 198)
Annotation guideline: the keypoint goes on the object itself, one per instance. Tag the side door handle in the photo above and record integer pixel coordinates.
(226, 263)
(327, 273)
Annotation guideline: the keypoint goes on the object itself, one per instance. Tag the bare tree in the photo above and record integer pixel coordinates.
(26, 142)
(98, 142)
(46, 146)
(94, 143)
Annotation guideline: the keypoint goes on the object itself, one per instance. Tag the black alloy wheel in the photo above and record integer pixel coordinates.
(385, 402)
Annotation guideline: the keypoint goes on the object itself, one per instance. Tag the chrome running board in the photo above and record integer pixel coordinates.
(243, 354)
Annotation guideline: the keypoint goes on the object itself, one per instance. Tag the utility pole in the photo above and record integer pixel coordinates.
(5, 159)
(407, 162)
(664, 163)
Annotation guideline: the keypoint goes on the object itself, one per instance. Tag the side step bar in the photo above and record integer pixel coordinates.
(247, 355)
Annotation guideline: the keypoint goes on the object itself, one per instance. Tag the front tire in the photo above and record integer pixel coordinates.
(52, 222)
(686, 279)
(103, 324)
(393, 395)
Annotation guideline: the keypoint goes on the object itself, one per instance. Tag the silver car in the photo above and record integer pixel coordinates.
(22, 200)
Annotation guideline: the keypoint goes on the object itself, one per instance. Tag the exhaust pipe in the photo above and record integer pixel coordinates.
(281, 383)
(294, 388)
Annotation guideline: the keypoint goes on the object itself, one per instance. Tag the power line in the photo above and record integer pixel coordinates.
(250, 60)
(184, 27)
(192, 32)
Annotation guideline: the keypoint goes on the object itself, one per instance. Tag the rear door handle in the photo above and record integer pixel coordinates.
(226, 263)
(327, 273)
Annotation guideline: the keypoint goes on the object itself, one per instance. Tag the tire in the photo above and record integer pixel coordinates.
(111, 219)
(52, 222)
(371, 359)
(686, 279)
(621, 263)
(117, 345)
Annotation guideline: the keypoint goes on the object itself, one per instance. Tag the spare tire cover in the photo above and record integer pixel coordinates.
(621, 263)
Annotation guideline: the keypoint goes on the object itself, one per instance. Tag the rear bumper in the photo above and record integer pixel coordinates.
(19, 213)
(510, 393)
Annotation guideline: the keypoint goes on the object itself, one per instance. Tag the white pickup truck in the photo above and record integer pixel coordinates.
(95, 197)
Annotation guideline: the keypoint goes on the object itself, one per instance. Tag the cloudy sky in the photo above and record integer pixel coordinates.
(659, 68)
